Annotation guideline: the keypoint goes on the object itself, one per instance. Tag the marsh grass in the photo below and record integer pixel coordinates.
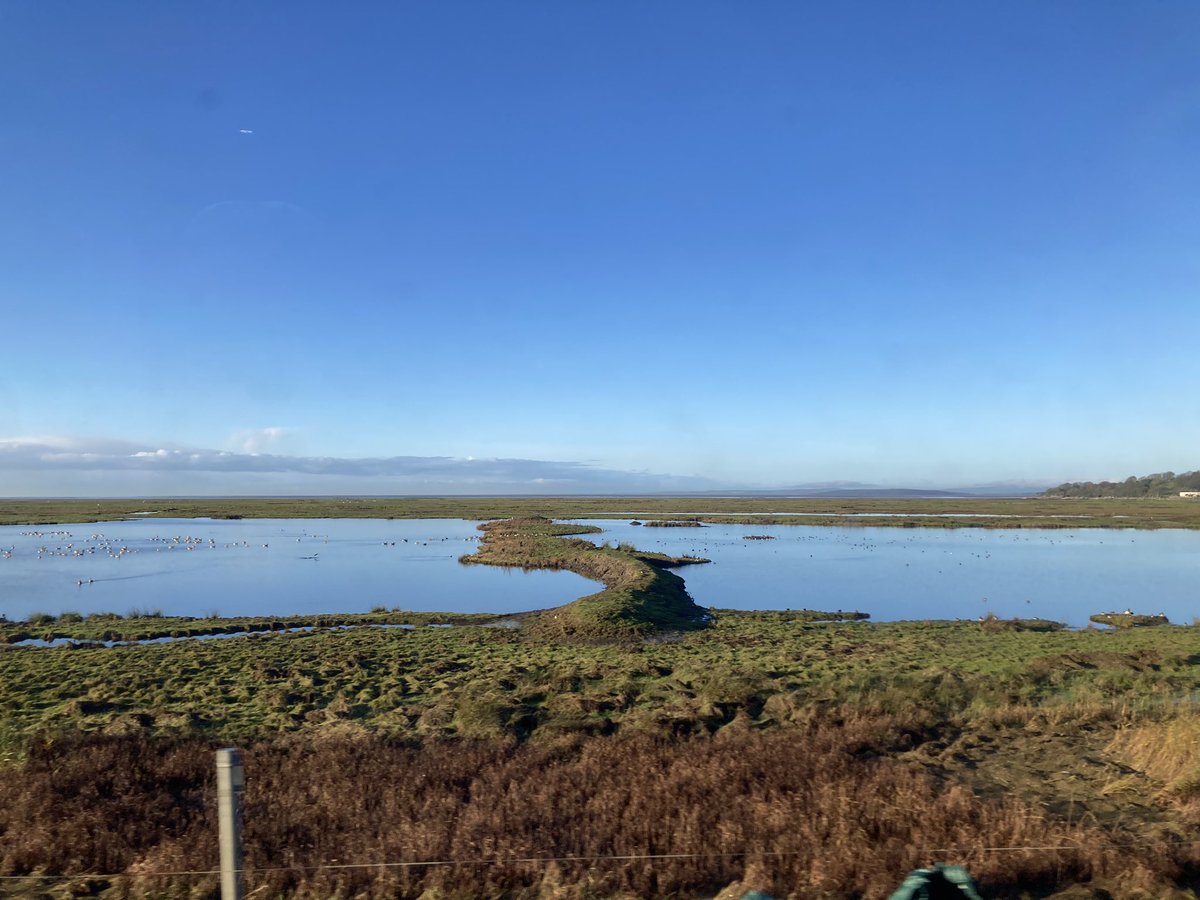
(782, 664)
(1167, 751)
(992, 624)
(1039, 512)
(105, 626)
(137, 612)
(1128, 620)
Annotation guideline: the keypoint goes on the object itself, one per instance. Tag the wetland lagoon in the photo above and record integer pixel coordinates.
(746, 741)
(263, 567)
(933, 573)
(287, 567)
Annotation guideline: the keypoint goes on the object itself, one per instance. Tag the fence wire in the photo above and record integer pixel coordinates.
(528, 860)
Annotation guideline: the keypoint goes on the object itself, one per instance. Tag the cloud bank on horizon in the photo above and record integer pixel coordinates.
(65, 466)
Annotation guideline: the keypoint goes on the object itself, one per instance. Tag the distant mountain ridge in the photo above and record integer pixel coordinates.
(856, 490)
(1161, 484)
(882, 494)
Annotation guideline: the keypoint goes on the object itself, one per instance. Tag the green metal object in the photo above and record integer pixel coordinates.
(939, 883)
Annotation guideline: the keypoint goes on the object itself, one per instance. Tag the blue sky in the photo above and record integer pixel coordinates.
(595, 246)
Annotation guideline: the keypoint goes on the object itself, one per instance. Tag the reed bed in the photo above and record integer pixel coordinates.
(812, 810)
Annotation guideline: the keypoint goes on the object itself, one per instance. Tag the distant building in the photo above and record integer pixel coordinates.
(1194, 495)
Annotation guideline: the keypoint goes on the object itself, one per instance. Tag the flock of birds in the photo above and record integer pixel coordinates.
(64, 544)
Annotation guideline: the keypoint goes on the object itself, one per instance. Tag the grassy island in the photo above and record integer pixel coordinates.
(640, 595)
(1128, 619)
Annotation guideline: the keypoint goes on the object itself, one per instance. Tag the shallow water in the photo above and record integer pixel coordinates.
(263, 567)
(275, 567)
(917, 573)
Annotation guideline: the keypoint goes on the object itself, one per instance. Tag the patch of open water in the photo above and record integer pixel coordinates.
(263, 567)
(935, 573)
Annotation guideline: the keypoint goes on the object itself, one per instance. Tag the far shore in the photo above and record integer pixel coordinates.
(1033, 512)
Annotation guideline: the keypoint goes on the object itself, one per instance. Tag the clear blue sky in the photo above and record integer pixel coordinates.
(745, 244)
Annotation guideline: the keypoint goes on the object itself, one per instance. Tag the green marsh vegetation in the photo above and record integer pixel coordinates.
(1128, 619)
(136, 626)
(1039, 512)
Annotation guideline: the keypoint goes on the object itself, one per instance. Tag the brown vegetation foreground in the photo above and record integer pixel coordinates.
(809, 811)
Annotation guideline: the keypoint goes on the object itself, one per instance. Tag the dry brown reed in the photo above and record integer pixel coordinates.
(1167, 752)
(809, 810)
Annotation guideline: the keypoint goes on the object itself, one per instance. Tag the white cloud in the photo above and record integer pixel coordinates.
(183, 467)
(260, 440)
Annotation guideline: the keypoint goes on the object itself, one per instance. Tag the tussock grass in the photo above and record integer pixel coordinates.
(991, 624)
(1167, 751)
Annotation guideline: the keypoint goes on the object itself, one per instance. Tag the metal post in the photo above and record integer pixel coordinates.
(230, 783)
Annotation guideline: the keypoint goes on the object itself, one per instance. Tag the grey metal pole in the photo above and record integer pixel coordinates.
(230, 782)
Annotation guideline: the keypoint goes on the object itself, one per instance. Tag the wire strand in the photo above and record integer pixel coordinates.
(524, 860)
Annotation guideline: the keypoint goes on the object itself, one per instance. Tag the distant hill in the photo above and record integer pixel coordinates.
(870, 493)
(859, 493)
(1162, 484)
(806, 493)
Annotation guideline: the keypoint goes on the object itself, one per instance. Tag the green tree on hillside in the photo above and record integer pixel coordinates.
(1160, 484)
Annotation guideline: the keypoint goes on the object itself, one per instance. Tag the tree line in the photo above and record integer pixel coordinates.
(1161, 484)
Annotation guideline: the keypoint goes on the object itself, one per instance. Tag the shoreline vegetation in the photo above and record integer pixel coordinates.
(810, 753)
(1128, 619)
(1037, 512)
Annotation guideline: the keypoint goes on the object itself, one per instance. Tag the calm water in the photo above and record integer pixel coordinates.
(904, 573)
(272, 567)
(279, 567)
